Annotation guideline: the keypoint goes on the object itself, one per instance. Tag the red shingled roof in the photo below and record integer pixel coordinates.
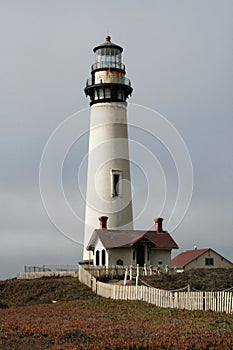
(161, 240)
(127, 238)
(186, 257)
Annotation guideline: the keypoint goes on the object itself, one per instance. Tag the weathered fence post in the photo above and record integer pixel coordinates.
(130, 272)
(137, 275)
(126, 273)
(137, 269)
(204, 304)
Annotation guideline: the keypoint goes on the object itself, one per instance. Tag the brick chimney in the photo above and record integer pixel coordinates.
(159, 224)
(103, 222)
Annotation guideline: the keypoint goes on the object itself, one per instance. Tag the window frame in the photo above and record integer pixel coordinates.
(209, 261)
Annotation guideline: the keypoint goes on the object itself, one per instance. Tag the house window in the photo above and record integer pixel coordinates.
(116, 178)
(209, 262)
(97, 257)
(103, 257)
(119, 262)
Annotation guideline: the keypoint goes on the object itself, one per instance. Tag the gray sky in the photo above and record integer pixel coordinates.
(178, 55)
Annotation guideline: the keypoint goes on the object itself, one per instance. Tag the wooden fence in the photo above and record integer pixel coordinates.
(116, 271)
(215, 301)
(32, 272)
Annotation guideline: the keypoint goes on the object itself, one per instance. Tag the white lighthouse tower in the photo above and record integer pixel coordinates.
(108, 179)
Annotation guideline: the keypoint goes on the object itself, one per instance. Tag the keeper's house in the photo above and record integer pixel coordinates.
(200, 258)
(131, 247)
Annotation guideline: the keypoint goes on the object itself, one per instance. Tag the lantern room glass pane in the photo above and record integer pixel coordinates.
(108, 57)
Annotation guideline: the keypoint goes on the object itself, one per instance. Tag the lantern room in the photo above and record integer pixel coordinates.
(108, 82)
(108, 55)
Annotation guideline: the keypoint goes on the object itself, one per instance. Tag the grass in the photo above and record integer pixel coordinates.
(82, 320)
(198, 279)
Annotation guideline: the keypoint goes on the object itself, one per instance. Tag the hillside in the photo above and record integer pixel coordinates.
(45, 290)
(39, 291)
(31, 319)
(197, 279)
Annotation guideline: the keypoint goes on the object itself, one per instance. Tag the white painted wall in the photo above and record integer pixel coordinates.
(108, 150)
(120, 253)
(160, 255)
(99, 246)
(126, 255)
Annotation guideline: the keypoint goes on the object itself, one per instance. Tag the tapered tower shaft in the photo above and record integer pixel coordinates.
(108, 179)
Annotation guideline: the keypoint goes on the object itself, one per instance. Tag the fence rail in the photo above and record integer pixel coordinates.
(215, 301)
(118, 271)
(32, 272)
(47, 268)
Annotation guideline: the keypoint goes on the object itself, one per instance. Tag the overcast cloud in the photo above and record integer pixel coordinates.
(178, 55)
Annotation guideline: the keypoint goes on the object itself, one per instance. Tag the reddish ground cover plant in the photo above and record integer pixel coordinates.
(81, 320)
(24, 292)
(100, 323)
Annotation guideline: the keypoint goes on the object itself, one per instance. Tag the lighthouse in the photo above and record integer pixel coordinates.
(108, 191)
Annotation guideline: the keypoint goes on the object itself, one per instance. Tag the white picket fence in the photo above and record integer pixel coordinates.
(215, 301)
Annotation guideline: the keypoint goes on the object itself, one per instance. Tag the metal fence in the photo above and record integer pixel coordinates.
(50, 268)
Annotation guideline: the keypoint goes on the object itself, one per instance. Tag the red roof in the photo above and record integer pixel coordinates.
(161, 240)
(186, 257)
(127, 238)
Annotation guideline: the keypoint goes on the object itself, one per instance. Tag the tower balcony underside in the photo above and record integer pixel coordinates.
(107, 78)
(108, 92)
